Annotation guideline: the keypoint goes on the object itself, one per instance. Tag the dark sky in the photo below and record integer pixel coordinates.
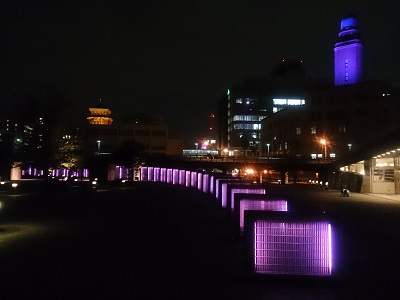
(177, 57)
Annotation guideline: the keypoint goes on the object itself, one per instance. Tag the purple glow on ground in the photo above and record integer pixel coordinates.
(271, 205)
(295, 248)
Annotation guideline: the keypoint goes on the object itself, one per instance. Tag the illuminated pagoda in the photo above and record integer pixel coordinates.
(100, 115)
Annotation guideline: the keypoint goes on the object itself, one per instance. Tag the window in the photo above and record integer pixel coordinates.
(346, 77)
(298, 130)
(384, 175)
(346, 63)
(314, 130)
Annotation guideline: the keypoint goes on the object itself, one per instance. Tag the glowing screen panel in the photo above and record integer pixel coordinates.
(282, 244)
(199, 181)
(182, 177)
(150, 173)
(143, 173)
(169, 175)
(188, 179)
(193, 182)
(163, 175)
(156, 174)
(246, 191)
(206, 182)
(271, 205)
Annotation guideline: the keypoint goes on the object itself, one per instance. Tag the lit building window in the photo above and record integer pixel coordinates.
(346, 63)
(346, 77)
(298, 130)
(314, 130)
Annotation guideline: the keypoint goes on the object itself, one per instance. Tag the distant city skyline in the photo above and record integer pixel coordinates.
(175, 58)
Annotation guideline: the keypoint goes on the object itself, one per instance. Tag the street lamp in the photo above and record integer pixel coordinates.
(323, 143)
(98, 146)
(349, 145)
(197, 148)
(268, 149)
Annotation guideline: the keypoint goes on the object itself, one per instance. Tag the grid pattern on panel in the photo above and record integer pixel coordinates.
(295, 248)
(244, 191)
(271, 205)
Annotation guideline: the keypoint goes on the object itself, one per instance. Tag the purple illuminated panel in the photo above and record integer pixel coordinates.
(156, 174)
(163, 174)
(280, 243)
(188, 179)
(206, 182)
(212, 184)
(150, 173)
(249, 190)
(175, 176)
(143, 173)
(182, 177)
(199, 181)
(169, 175)
(193, 181)
(251, 204)
(218, 186)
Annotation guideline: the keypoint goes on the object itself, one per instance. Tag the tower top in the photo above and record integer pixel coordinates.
(349, 22)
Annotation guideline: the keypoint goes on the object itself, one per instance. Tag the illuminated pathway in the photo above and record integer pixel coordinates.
(156, 240)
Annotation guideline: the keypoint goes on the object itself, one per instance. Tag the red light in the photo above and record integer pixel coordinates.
(212, 116)
(211, 128)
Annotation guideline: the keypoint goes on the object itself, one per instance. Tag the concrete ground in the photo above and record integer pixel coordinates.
(154, 240)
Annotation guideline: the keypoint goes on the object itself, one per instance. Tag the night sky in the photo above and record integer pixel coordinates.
(177, 58)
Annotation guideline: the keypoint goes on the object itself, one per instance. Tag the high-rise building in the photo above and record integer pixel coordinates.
(246, 104)
(348, 53)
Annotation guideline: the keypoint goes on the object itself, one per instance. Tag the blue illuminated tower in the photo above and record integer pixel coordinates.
(348, 53)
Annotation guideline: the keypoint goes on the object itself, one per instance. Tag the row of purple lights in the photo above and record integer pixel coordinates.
(287, 246)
